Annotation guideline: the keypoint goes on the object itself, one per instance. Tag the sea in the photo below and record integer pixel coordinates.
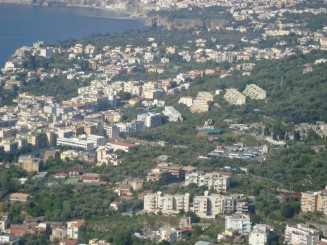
(22, 25)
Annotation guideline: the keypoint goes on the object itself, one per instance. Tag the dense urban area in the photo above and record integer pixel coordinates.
(207, 128)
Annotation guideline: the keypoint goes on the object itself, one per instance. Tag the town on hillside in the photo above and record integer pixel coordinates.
(200, 135)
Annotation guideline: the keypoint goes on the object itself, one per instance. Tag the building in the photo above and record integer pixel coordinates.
(210, 205)
(234, 97)
(170, 234)
(4, 221)
(255, 92)
(172, 114)
(260, 235)
(301, 234)
(19, 197)
(188, 101)
(314, 201)
(74, 228)
(309, 201)
(150, 119)
(239, 222)
(112, 131)
(216, 181)
(76, 143)
(58, 233)
(46, 52)
(98, 242)
(29, 163)
(117, 145)
(200, 104)
(9, 239)
(167, 204)
(97, 140)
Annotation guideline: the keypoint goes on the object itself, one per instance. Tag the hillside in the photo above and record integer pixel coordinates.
(292, 95)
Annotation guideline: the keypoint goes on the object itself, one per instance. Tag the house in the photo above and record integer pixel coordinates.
(74, 228)
(239, 222)
(115, 205)
(4, 221)
(58, 233)
(29, 163)
(117, 145)
(260, 235)
(90, 177)
(61, 175)
(170, 234)
(19, 197)
(74, 173)
(124, 189)
(98, 242)
(19, 230)
(68, 242)
(9, 239)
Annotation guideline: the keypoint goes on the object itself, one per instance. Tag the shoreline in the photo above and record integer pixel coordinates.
(129, 15)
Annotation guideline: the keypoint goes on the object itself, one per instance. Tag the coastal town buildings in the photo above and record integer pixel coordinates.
(255, 92)
(301, 234)
(215, 181)
(234, 97)
(165, 203)
(314, 201)
(238, 222)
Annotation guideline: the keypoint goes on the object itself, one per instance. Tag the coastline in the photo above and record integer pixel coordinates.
(106, 21)
(128, 15)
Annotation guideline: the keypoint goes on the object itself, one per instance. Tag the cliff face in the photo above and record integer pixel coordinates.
(182, 23)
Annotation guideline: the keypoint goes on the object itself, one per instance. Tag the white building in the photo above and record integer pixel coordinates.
(210, 205)
(217, 181)
(46, 52)
(301, 234)
(74, 228)
(97, 140)
(150, 119)
(170, 234)
(9, 239)
(259, 235)
(117, 145)
(234, 97)
(167, 204)
(76, 143)
(239, 222)
(9, 66)
(172, 114)
(188, 101)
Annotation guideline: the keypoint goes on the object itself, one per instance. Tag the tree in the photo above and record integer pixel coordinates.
(287, 211)
(194, 217)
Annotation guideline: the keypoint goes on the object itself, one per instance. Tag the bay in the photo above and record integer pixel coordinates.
(22, 25)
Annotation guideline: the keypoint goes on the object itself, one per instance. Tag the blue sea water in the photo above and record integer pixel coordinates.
(22, 25)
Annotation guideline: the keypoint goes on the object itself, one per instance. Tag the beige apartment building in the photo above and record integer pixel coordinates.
(216, 181)
(314, 201)
(200, 104)
(210, 205)
(29, 163)
(167, 204)
(255, 92)
(301, 234)
(234, 97)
